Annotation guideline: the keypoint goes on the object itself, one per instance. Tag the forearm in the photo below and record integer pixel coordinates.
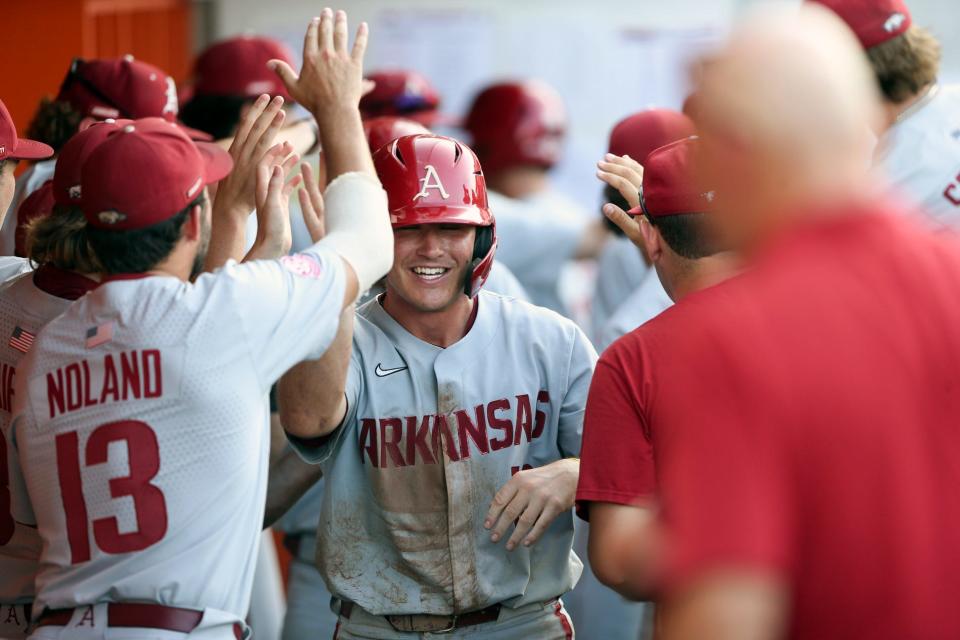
(302, 135)
(311, 394)
(290, 478)
(624, 549)
(344, 143)
(228, 235)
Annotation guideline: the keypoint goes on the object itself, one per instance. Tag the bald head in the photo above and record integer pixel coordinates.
(787, 106)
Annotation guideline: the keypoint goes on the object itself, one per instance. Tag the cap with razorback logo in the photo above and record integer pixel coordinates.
(873, 21)
(122, 88)
(146, 172)
(12, 146)
(238, 67)
(66, 176)
(670, 183)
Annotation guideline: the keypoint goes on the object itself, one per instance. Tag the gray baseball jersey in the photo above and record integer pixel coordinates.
(620, 270)
(921, 154)
(141, 422)
(24, 310)
(538, 236)
(648, 301)
(430, 436)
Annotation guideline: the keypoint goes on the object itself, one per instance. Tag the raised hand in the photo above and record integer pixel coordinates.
(332, 75)
(624, 174)
(274, 236)
(330, 84)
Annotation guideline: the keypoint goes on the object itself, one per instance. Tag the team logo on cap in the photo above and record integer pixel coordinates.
(431, 181)
(3, 149)
(172, 105)
(74, 192)
(111, 217)
(894, 22)
(195, 187)
(710, 196)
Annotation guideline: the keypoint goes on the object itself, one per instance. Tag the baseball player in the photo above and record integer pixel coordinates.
(460, 415)
(675, 232)
(12, 150)
(810, 470)
(145, 456)
(66, 271)
(621, 268)
(93, 90)
(517, 130)
(919, 150)
(288, 477)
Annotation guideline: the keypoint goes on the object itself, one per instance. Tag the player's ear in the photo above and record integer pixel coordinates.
(652, 241)
(193, 225)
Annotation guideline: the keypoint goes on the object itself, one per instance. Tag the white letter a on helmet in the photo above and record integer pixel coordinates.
(431, 180)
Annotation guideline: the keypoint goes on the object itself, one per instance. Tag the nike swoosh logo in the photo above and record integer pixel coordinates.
(383, 373)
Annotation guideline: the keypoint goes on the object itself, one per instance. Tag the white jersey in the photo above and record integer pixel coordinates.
(620, 270)
(537, 237)
(920, 154)
(429, 438)
(141, 422)
(647, 302)
(24, 310)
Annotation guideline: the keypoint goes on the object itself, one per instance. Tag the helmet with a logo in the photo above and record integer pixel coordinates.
(436, 180)
(401, 92)
(517, 123)
(385, 129)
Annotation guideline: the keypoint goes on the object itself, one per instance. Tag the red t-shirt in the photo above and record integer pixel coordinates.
(809, 426)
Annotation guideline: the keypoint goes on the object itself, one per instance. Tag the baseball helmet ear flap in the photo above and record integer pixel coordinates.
(484, 244)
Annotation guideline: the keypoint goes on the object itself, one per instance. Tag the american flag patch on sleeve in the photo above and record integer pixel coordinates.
(21, 340)
(101, 334)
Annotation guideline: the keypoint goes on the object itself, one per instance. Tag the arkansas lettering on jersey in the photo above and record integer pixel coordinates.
(141, 421)
(429, 437)
(415, 440)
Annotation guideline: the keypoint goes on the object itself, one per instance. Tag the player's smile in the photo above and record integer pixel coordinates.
(430, 274)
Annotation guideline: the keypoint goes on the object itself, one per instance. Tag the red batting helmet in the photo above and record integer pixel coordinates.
(436, 180)
(386, 129)
(401, 92)
(516, 123)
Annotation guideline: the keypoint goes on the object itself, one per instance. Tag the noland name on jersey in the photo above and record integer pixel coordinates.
(412, 440)
(128, 375)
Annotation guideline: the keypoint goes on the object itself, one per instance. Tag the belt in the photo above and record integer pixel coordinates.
(430, 623)
(144, 615)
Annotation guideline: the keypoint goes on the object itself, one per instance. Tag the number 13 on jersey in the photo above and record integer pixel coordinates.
(150, 507)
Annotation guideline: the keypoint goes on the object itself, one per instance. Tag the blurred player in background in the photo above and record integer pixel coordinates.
(416, 532)
(628, 292)
(810, 467)
(919, 149)
(517, 130)
(402, 93)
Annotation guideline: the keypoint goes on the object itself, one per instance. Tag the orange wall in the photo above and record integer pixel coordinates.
(41, 37)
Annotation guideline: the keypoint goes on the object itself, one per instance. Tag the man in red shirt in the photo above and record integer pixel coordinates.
(617, 478)
(809, 450)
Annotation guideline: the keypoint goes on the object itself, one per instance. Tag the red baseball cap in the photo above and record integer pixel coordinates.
(238, 67)
(38, 204)
(670, 182)
(146, 172)
(873, 21)
(639, 134)
(66, 175)
(12, 146)
(401, 92)
(122, 88)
